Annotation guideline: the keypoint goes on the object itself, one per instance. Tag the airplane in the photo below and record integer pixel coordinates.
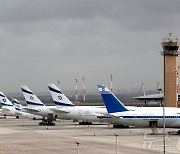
(139, 116)
(35, 106)
(14, 109)
(67, 110)
(64, 108)
(20, 113)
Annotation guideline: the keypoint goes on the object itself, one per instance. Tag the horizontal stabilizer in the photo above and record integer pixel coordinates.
(30, 110)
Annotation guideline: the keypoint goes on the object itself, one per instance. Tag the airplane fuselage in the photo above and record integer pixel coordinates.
(149, 117)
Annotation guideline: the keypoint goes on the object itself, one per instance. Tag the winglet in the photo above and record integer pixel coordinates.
(111, 102)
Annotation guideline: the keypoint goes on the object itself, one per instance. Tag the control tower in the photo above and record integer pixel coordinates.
(170, 53)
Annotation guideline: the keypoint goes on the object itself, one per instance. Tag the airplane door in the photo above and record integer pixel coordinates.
(80, 113)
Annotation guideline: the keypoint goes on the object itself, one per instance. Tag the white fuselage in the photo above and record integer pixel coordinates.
(85, 113)
(7, 110)
(27, 115)
(146, 116)
(137, 116)
(40, 110)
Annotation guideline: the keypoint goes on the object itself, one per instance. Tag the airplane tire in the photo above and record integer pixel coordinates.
(178, 132)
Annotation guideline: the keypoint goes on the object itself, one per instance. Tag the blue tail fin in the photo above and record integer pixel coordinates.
(111, 102)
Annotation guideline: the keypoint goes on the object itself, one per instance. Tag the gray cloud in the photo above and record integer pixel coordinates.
(43, 41)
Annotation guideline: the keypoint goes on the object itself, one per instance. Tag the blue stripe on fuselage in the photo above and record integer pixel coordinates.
(148, 117)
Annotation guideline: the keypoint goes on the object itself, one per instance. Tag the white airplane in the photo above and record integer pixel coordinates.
(139, 116)
(20, 113)
(11, 109)
(7, 106)
(67, 110)
(35, 106)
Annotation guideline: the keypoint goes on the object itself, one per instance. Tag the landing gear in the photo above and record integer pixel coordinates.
(48, 121)
(153, 125)
(178, 132)
(120, 126)
(85, 123)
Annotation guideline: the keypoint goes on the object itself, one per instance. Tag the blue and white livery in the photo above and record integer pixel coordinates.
(31, 98)
(19, 111)
(139, 116)
(35, 105)
(7, 106)
(67, 110)
(60, 100)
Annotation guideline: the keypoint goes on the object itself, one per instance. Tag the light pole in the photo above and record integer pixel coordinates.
(84, 91)
(116, 143)
(76, 91)
(58, 83)
(164, 101)
(111, 77)
(77, 143)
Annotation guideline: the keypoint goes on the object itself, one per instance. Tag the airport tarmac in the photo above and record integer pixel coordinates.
(26, 136)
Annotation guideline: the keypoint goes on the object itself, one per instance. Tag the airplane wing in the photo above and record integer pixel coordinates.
(5, 110)
(59, 110)
(102, 116)
(30, 110)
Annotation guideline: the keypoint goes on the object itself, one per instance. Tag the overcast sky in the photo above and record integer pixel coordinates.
(42, 41)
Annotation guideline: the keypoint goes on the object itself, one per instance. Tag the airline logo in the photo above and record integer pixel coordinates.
(59, 97)
(103, 89)
(31, 97)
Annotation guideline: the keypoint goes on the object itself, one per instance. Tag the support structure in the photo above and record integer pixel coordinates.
(84, 91)
(58, 82)
(170, 53)
(111, 77)
(76, 91)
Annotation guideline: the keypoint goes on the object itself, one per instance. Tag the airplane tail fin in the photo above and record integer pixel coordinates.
(5, 101)
(17, 105)
(60, 100)
(111, 102)
(30, 97)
